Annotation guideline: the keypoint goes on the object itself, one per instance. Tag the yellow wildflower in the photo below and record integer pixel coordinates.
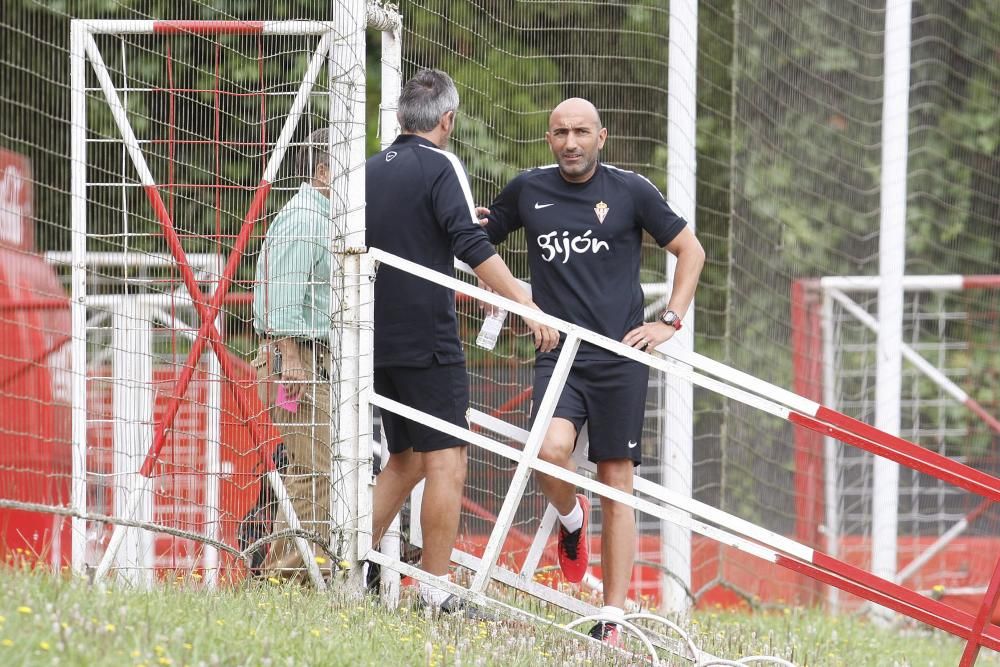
(23, 609)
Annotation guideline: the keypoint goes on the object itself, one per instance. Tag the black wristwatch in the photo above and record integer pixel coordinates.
(671, 319)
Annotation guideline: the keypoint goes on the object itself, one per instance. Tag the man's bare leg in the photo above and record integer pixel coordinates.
(617, 533)
(557, 449)
(392, 487)
(441, 506)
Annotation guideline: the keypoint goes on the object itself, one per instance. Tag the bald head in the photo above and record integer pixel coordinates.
(576, 108)
(576, 138)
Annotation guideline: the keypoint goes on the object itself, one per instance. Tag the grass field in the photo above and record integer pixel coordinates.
(46, 620)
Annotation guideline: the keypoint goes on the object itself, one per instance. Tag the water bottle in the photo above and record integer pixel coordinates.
(492, 325)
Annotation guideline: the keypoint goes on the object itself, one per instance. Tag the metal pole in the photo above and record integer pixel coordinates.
(892, 257)
(78, 305)
(392, 83)
(677, 449)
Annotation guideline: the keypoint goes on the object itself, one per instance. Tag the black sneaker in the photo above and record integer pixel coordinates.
(461, 607)
(606, 632)
(373, 578)
(574, 551)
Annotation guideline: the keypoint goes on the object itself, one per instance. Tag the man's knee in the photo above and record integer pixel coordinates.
(407, 465)
(450, 463)
(617, 474)
(557, 446)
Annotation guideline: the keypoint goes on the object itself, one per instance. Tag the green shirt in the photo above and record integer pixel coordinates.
(294, 286)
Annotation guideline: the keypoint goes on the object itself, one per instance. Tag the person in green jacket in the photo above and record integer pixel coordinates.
(292, 312)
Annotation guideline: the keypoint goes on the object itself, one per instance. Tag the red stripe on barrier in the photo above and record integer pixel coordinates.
(926, 610)
(869, 438)
(971, 651)
(981, 282)
(896, 591)
(208, 27)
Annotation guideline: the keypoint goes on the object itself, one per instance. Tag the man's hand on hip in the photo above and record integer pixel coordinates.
(648, 336)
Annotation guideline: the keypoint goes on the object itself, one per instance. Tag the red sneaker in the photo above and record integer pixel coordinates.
(574, 550)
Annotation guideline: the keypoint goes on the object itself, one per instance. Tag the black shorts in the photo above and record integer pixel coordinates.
(609, 397)
(438, 390)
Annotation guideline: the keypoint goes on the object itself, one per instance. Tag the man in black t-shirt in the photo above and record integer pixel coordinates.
(419, 207)
(583, 223)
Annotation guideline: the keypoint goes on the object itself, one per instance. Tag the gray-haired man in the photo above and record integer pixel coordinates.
(419, 206)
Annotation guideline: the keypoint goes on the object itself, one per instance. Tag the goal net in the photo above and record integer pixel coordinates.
(945, 536)
(807, 140)
(789, 140)
(615, 56)
(187, 139)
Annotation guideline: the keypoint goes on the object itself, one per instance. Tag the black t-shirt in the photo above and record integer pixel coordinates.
(418, 205)
(584, 244)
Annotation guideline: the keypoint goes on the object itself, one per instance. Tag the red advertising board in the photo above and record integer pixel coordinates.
(34, 379)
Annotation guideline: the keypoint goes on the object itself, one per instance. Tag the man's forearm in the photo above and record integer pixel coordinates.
(690, 261)
(494, 272)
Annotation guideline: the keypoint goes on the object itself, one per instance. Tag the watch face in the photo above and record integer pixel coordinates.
(671, 319)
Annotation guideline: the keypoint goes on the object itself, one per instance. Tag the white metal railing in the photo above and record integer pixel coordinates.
(679, 510)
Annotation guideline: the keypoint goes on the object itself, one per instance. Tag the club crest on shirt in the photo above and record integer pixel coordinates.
(602, 211)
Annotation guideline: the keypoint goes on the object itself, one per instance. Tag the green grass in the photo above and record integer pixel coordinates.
(46, 620)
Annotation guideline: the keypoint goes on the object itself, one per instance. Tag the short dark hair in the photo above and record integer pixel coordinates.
(313, 153)
(424, 99)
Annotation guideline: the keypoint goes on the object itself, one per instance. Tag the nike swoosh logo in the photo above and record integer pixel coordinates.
(632, 444)
(538, 206)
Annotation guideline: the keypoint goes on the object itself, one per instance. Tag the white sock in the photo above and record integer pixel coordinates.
(432, 595)
(574, 520)
(614, 614)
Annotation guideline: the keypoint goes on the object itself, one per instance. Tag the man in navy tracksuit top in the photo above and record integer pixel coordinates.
(583, 223)
(419, 206)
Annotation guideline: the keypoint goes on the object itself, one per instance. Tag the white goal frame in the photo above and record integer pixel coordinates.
(838, 291)
(341, 49)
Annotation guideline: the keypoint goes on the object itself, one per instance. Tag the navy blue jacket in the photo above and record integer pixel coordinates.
(585, 244)
(419, 206)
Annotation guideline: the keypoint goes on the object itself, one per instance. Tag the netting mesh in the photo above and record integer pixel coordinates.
(512, 64)
(789, 146)
(806, 132)
(947, 328)
(210, 108)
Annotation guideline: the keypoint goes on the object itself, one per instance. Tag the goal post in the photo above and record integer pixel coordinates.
(183, 177)
(949, 328)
